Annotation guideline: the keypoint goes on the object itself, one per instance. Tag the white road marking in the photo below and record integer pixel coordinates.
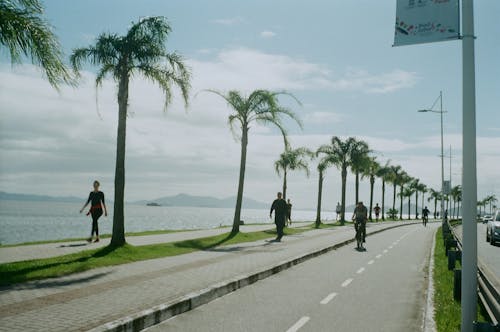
(328, 298)
(390, 247)
(378, 256)
(371, 262)
(301, 322)
(347, 282)
(385, 251)
(361, 270)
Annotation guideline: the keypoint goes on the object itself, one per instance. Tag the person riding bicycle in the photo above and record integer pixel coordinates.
(360, 217)
(425, 216)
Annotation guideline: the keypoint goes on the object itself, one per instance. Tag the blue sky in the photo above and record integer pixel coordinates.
(335, 56)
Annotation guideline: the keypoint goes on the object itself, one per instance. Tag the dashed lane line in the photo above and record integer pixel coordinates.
(385, 251)
(378, 256)
(361, 270)
(301, 322)
(347, 282)
(371, 262)
(327, 299)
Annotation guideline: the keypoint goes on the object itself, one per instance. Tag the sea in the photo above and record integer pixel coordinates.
(28, 221)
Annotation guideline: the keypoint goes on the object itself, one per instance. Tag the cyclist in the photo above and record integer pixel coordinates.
(360, 217)
(425, 216)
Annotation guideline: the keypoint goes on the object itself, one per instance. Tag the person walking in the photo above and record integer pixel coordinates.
(280, 209)
(338, 209)
(96, 198)
(359, 217)
(376, 209)
(289, 212)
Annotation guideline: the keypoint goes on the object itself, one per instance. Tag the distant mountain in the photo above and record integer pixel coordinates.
(38, 198)
(205, 201)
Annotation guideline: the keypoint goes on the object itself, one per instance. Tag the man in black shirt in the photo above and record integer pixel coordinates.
(280, 209)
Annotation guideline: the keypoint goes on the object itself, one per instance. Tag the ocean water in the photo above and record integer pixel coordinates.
(24, 221)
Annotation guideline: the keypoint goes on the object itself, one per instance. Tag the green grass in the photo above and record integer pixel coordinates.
(17, 272)
(447, 310)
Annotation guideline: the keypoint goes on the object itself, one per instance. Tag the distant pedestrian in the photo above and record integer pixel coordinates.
(377, 211)
(96, 198)
(359, 217)
(280, 209)
(289, 212)
(338, 209)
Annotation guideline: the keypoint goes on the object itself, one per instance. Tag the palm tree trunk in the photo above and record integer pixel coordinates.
(239, 197)
(409, 206)
(401, 203)
(320, 190)
(342, 208)
(423, 195)
(416, 204)
(394, 198)
(357, 188)
(118, 236)
(435, 207)
(284, 184)
(383, 199)
(372, 182)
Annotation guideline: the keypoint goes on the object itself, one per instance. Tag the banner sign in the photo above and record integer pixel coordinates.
(426, 21)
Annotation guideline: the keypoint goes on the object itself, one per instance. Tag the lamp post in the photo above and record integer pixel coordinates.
(442, 146)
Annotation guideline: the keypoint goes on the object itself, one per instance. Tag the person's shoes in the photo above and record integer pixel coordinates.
(96, 240)
(89, 239)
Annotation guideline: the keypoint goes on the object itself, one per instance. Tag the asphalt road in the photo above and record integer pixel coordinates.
(382, 289)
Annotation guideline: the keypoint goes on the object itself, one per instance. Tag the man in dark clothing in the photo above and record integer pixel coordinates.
(280, 209)
(425, 216)
(359, 217)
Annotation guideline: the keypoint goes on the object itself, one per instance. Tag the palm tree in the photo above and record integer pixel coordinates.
(417, 186)
(360, 163)
(341, 153)
(291, 160)
(141, 51)
(384, 173)
(408, 191)
(404, 179)
(323, 164)
(490, 200)
(423, 189)
(435, 195)
(260, 106)
(393, 178)
(25, 33)
(455, 192)
(371, 172)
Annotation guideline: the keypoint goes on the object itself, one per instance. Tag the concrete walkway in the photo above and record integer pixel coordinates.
(90, 299)
(36, 251)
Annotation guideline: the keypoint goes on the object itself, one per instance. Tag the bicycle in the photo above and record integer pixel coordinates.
(360, 228)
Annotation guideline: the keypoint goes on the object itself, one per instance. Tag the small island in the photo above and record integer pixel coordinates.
(153, 204)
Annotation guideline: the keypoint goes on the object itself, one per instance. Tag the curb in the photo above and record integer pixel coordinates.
(159, 313)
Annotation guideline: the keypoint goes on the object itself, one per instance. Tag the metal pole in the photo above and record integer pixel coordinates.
(469, 175)
(442, 157)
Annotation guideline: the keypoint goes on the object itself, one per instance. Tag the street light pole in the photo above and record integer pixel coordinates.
(442, 155)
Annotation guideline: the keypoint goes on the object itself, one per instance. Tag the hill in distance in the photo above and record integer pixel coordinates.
(205, 201)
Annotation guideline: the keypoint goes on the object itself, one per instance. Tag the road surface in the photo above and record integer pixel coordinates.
(382, 289)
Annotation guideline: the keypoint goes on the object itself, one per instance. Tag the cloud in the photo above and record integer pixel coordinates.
(267, 34)
(360, 80)
(322, 118)
(229, 21)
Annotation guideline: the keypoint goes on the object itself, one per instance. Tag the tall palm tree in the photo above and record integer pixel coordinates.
(384, 173)
(393, 178)
(434, 195)
(291, 160)
(323, 164)
(371, 172)
(360, 163)
(403, 179)
(341, 152)
(142, 51)
(423, 189)
(408, 191)
(25, 33)
(455, 192)
(491, 199)
(417, 186)
(261, 106)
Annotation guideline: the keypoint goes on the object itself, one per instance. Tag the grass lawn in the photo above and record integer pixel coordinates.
(447, 311)
(16, 272)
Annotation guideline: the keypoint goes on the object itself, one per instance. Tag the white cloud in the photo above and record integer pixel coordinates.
(360, 80)
(229, 21)
(322, 118)
(267, 34)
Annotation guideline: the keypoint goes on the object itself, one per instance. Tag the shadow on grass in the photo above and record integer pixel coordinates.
(19, 271)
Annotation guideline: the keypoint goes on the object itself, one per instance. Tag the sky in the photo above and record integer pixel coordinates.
(335, 56)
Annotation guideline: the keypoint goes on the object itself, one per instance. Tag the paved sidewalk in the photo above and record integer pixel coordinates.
(36, 251)
(83, 301)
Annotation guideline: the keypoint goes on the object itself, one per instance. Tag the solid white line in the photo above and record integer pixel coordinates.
(301, 322)
(371, 262)
(347, 282)
(385, 251)
(378, 256)
(361, 270)
(328, 298)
